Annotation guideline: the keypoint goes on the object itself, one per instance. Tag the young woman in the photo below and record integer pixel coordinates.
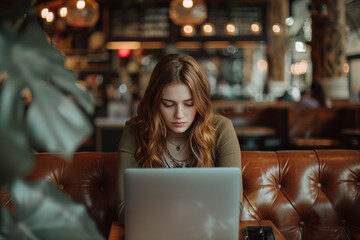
(175, 125)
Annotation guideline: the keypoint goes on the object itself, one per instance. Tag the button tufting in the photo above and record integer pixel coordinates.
(318, 185)
(278, 186)
(342, 221)
(60, 187)
(358, 183)
(301, 223)
(102, 189)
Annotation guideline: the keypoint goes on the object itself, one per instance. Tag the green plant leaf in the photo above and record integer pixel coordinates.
(7, 35)
(57, 119)
(15, 159)
(51, 106)
(44, 212)
(40, 61)
(8, 226)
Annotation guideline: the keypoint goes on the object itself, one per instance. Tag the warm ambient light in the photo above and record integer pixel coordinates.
(255, 28)
(121, 45)
(82, 13)
(50, 17)
(44, 12)
(188, 45)
(231, 29)
(299, 68)
(76, 13)
(63, 12)
(208, 29)
(80, 4)
(276, 28)
(183, 12)
(262, 65)
(188, 30)
(187, 3)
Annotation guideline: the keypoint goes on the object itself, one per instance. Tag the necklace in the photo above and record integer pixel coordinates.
(177, 146)
(177, 163)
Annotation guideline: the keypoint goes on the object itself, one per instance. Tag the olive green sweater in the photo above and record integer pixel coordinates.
(226, 152)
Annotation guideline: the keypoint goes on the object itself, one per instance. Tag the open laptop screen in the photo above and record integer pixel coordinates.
(182, 203)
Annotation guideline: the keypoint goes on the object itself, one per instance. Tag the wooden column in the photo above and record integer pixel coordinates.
(278, 11)
(328, 45)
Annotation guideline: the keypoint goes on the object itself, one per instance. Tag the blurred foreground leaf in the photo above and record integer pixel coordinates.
(57, 118)
(43, 212)
(9, 228)
(15, 161)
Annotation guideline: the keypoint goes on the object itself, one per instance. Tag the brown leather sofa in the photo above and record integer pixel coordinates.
(306, 194)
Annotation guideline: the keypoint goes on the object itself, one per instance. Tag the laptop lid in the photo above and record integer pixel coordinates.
(182, 203)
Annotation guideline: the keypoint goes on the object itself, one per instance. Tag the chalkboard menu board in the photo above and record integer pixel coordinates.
(134, 23)
(155, 23)
(125, 23)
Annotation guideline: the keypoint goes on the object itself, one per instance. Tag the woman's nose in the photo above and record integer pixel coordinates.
(179, 112)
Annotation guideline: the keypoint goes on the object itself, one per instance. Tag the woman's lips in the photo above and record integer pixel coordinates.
(179, 124)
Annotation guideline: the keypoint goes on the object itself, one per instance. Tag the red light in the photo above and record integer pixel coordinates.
(124, 52)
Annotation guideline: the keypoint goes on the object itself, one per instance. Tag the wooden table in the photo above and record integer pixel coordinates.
(253, 137)
(117, 232)
(254, 131)
(352, 133)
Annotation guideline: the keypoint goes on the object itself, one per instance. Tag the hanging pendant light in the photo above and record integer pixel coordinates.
(192, 12)
(82, 13)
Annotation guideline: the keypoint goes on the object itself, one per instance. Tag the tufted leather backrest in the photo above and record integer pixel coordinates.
(306, 194)
(90, 179)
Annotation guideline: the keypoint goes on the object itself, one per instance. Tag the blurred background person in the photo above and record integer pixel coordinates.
(315, 97)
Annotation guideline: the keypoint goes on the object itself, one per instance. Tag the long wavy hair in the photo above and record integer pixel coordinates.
(150, 129)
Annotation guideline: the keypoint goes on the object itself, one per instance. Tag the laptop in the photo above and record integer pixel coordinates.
(182, 203)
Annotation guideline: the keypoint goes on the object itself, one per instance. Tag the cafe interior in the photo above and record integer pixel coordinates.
(260, 60)
(300, 158)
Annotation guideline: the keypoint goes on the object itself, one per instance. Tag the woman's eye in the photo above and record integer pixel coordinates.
(189, 104)
(168, 105)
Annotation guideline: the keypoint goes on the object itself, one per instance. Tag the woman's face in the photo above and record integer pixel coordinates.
(177, 107)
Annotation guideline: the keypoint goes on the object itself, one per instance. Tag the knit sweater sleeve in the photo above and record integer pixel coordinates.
(227, 148)
(126, 159)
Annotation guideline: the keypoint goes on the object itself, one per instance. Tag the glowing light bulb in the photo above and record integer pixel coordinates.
(44, 12)
(276, 28)
(230, 29)
(187, 3)
(80, 4)
(63, 12)
(255, 28)
(50, 17)
(207, 28)
(82, 13)
(188, 30)
(183, 12)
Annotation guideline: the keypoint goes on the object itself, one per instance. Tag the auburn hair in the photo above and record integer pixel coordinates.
(150, 128)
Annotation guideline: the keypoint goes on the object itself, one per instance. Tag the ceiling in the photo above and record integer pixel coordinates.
(352, 6)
